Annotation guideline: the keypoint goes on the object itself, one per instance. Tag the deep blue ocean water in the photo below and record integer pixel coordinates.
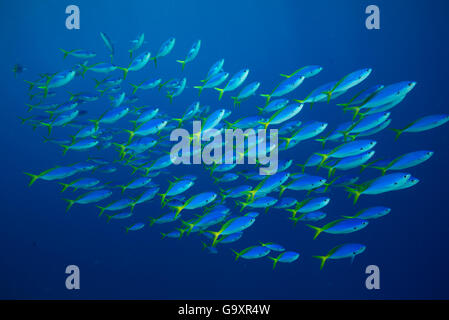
(410, 245)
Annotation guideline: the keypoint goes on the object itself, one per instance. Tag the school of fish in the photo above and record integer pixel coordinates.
(234, 199)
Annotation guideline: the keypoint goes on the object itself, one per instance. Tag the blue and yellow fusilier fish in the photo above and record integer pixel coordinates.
(379, 185)
(348, 163)
(347, 149)
(309, 205)
(119, 216)
(135, 227)
(365, 123)
(370, 213)
(196, 201)
(340, 226)
(423, 124)
(176, 188)
(82, 183)
(404, 161)
(56, 173)
(233, 83)
(306, 72)
(216, 68)
(109, 44)
(285, 257)
(111, 116)
(100, 67)
(285, 87)
(191, 112)
(246, 92)
(254, 252)
(305, 131)
(285, 203)
(268, 184)
(178, 90)
(164, 50)
(303, 182)
(213, 81)
(81, 145)
(147, 195)
(137, 64)
(146, 114)
(349, 250)
(193, 52)
(348, 81)
(79, 53)
(283, 114)
(135, 184)
(137, 43)
(309, 217)
(165, 218)
(61, 120)
(274, 105)
(117, 205)
(150, 127)
(384, 96)
(89, 197)
(147, 84)
(232, 226)
(137, 146)
(273, 246)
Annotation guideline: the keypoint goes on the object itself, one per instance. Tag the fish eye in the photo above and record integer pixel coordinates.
(395, 183)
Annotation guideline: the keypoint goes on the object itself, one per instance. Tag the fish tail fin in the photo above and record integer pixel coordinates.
(267, 96)
(163, 235)
(323, 260)
(136, 87)
(355, 111)
(131, 135)
(317, 230)
(237, 255)
(328, 95)
(324, 158)
(34, 177)
(354, 192)
(96, 122)
(183, 64)
(398, 133)
(101, 210)
(64, 186)
(200, 88)
(121, 147)
(283, 188)
(170, 97)
(215, 234)
(71, 202)
(163, 202)
(221, 93)
(65, 149)
(275, 261)
(265, 124)
(125, 71)
(66, 53)
(152, 221)
(155, 61)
